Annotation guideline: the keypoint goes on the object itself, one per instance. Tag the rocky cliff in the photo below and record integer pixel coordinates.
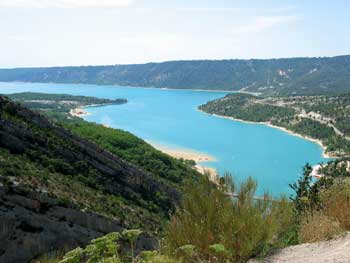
(32, 223)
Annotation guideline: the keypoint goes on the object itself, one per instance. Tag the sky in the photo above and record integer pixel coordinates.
(37, 33)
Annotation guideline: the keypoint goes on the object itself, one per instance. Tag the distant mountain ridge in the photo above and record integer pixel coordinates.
(286, 76)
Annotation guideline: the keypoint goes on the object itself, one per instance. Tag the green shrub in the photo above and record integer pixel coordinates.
(212, 222)
(103, 249)
(336, 202)
(131, 236)
(322, 207)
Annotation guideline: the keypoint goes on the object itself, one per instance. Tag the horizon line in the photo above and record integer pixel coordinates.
(169, 61)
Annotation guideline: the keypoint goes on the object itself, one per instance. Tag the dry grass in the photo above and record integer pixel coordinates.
(317, 226)
(336, 203)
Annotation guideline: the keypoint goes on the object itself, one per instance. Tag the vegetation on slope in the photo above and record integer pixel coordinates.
(42, 155)
(122, 143)
(270, 76)
(324, 118)
(220, 228)
(136, 151)
(211, 226)
(322, 207)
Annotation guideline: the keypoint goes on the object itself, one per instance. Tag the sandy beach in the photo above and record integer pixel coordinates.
(185, 153)
(78, 112)
(191, 155)
(319, 142)
(81, 112)
(212, 172)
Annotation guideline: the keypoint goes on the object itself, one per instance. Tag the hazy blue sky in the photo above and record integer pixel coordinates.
(95, 32)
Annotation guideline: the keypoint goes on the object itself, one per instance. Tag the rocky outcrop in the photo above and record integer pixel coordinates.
(33, 223)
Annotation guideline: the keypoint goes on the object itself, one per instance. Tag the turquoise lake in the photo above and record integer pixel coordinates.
(170, 118)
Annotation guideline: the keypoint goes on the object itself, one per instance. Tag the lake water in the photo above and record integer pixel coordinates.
(170, 117)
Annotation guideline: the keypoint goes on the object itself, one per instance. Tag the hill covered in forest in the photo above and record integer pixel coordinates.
(268, 76)
(324, 118)
(64, 183)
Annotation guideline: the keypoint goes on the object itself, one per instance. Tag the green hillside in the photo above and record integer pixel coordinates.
(66, 172)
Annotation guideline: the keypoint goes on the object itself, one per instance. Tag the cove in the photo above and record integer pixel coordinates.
(170, 117)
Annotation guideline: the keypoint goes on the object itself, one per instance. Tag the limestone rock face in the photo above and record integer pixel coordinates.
(32, 224)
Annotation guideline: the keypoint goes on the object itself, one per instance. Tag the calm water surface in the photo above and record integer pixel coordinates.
(170, 117)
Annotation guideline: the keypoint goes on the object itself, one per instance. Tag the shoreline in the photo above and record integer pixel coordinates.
(199, 90)
(319, 142)
(189, 154)
(131, 87)
(178, 153)
(81, 111)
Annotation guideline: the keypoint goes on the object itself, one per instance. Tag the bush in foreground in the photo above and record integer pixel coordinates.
(336, 202)
(212, 226)
(322, 207)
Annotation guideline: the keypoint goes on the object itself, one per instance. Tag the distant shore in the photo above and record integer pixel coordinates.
(319, 142)
(131, 87)
(80, 112)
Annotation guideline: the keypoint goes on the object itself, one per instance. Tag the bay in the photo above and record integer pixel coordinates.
(170, 118)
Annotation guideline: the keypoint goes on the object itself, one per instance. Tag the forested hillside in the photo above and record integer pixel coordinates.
(323, 117)
(57, 188)
(269, 76)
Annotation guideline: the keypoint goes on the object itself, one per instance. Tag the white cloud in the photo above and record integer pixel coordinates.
(263, 23)
(65, 3)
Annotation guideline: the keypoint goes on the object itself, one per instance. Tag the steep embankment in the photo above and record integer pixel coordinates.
(32, 223)
(270, 76)
(54, 184)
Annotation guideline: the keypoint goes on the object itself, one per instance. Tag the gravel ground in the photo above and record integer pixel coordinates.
(335, 251)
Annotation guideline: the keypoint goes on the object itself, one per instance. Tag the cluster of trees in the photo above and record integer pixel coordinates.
(321, 207)
(136, 151)
(336, 144)
(334, 107)
(246, 107)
